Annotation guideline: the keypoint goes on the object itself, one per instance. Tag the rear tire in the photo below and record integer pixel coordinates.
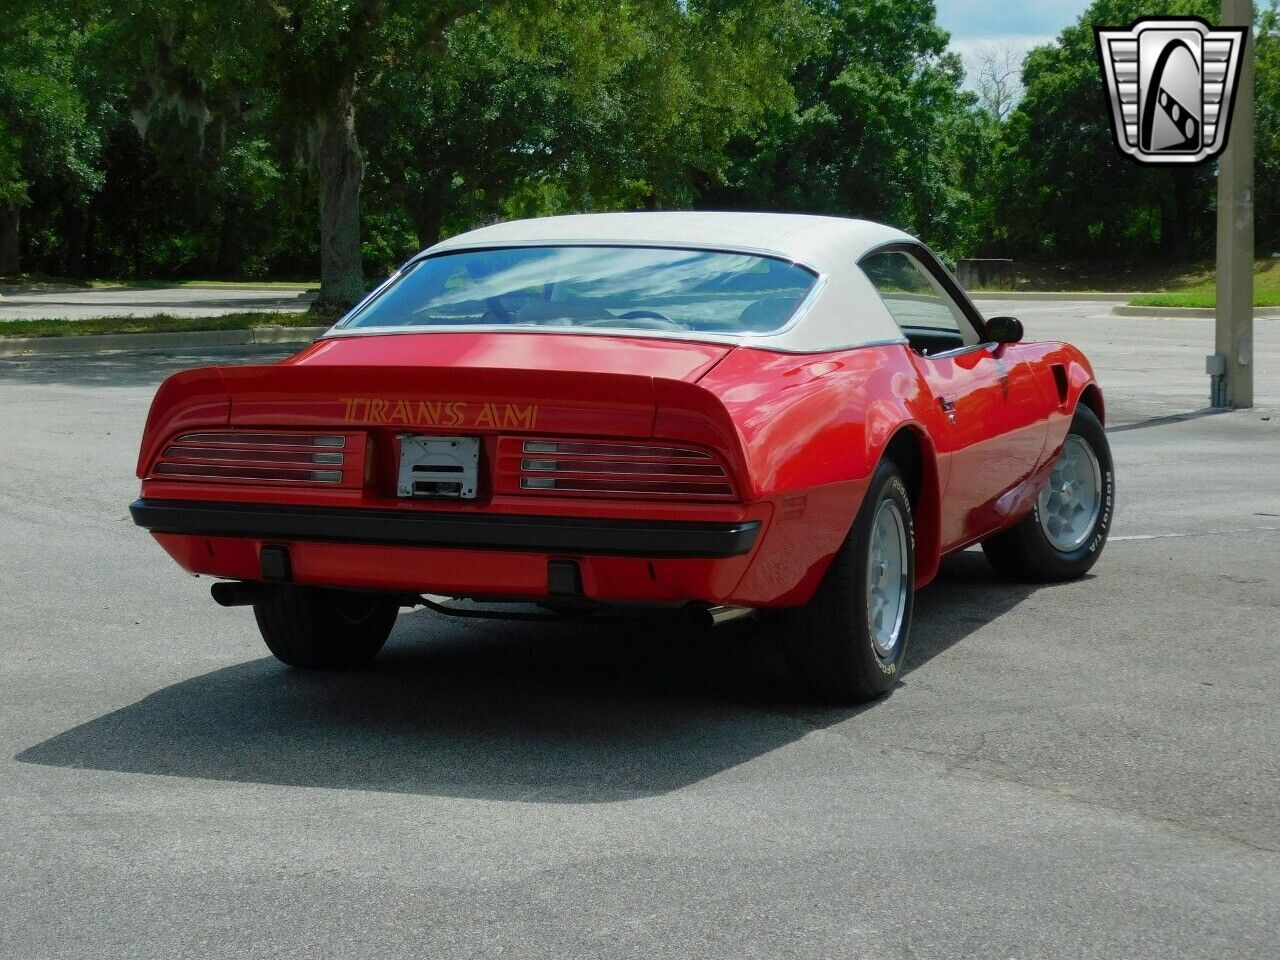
(1046, 546)
(849, 641)
(318, 629)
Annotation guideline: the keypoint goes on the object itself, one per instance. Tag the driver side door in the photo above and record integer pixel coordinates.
(990, 426)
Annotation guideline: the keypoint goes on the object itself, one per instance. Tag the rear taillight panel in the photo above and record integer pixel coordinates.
(324, 459)
(590, 468)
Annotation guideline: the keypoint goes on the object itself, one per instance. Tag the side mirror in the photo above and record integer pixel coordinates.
(1004, 330)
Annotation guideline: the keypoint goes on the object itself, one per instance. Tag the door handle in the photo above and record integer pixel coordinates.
(948, 407)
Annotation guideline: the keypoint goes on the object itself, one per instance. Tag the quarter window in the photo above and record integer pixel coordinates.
(930, 319)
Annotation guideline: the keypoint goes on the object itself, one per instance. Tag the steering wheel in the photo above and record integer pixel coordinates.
(658, 321)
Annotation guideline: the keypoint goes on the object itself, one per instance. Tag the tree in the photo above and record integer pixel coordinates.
(1267, 134)
(226, 137)
(698, 75)
(312, 58)
(1065, 188)
(996, 80)
(48, 144)
(596, 105)
(450, 132)
(870, 133)
(13, 192)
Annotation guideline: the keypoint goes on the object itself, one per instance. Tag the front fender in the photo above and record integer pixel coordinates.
(1066, 378)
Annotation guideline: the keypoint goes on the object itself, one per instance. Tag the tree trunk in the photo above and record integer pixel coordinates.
(341, 171)
(8, 240)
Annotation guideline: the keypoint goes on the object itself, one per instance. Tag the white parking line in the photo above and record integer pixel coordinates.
(1197, 533)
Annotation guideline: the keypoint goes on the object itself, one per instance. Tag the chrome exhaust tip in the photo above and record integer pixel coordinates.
(710, 617)
(240, 593)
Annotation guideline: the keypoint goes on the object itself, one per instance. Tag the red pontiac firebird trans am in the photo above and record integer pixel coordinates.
(709, 412)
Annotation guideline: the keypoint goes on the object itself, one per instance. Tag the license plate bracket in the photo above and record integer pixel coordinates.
(438, 468)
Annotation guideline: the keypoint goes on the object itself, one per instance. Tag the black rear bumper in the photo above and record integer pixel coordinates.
(418, 528)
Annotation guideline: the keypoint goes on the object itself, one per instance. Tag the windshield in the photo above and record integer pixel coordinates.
(627, 288)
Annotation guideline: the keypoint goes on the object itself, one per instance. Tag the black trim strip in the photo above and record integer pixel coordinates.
(420, 528)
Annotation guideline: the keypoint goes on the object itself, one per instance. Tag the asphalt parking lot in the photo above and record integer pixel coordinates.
(1083, 770)
(77, 304)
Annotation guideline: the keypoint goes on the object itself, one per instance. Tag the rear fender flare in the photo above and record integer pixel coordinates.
(911, 445)
(884, 431)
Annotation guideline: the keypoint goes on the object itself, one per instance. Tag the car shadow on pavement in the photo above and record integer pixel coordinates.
(494, 710)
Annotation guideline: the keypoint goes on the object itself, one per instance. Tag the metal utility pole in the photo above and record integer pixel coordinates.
(1232, 366)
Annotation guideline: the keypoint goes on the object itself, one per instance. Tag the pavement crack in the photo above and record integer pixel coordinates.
(1193, 533)
(953, 763)
(965, 762)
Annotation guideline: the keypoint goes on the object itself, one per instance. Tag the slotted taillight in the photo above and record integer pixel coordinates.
(597, 468)
(246, 456)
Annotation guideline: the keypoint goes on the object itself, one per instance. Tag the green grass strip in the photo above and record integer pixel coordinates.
(1266, 291)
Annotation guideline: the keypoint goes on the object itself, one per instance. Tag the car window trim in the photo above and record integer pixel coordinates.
(960, 351)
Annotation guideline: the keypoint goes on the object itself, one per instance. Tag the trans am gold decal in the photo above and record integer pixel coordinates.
(441, 413)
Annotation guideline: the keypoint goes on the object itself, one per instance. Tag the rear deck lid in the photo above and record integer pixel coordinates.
(468, 383)
(526, 350)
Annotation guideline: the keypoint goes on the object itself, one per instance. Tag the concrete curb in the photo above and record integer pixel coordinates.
(1049, 295)
(43, 346)
(1194, 313)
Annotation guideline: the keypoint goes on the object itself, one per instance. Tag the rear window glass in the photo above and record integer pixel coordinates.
(593, 288)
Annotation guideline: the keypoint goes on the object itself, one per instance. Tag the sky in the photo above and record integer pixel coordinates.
(978, 26)
(970, 20)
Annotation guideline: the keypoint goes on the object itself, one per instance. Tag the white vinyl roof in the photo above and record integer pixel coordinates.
(843, 311)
